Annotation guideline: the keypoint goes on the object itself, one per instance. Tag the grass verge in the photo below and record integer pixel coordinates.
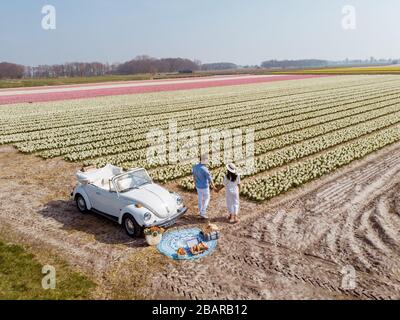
(18, 83)
(21, 83)
(21, 277)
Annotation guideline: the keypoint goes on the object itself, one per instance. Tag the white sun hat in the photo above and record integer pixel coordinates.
(231, 168)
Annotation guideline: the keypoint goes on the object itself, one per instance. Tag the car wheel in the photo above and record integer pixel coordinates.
(131, 227)
(81, 204)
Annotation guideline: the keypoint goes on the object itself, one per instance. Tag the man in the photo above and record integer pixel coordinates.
(203, 180)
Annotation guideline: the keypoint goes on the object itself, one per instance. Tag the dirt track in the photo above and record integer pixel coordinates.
(304, 244)
(336, 238)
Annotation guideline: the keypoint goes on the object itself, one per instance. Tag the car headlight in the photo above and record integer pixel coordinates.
(147, 216)
(179, 200)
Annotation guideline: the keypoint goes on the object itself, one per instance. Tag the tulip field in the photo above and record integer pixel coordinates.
(303, 129)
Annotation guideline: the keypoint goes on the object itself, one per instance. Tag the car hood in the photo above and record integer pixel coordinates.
(155, 198)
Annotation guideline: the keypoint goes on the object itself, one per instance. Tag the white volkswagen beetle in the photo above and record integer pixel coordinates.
(130, 198)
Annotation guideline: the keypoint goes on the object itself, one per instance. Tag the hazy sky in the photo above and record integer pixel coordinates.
(244, 32)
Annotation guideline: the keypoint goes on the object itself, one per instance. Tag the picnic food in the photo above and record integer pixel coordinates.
(210, 232)
(181, 252)
(154, 231)
(210, 228)
(199, 248)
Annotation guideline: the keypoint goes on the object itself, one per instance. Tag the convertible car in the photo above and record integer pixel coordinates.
(130, 198)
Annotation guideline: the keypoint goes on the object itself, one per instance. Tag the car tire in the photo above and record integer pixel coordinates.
(81, 204)
(131, 227)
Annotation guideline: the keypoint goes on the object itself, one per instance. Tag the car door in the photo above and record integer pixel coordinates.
(108, 202)
(93, 193)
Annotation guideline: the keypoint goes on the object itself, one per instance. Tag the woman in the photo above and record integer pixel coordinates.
(232, 184)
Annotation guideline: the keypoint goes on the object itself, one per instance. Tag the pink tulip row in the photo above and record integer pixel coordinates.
(88, 91)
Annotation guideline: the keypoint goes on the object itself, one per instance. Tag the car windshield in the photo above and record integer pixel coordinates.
(132, 180)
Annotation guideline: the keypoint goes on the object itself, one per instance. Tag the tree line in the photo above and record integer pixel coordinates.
(304, 63)
(141, 64)
(218, 66)
(11, 70)
(146, 64)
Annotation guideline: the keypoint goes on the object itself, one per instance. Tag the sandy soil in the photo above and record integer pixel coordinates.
(335, 238)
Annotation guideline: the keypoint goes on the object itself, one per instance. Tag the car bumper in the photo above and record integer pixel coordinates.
(170, 221)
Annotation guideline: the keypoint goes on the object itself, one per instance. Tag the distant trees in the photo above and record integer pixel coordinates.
(306, 63)
(11, 70)
(74, 69)
(218, 66)
(146, 64)
(141, 64)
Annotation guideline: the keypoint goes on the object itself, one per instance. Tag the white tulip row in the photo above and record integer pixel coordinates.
(49, 111)
(131, 124)
(19, 117)
(129, 137)
(125, 153)
(294, 122)
(264, 188)
(281, 157)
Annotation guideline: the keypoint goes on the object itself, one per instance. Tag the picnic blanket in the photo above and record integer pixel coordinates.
(174, 239)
